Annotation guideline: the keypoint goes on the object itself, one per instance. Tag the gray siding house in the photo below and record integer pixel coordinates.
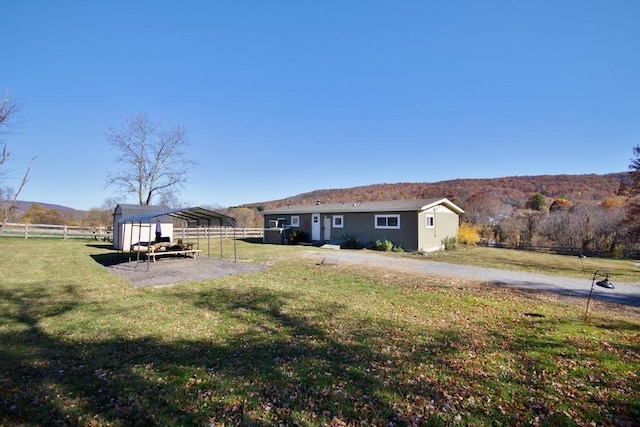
(411, 224)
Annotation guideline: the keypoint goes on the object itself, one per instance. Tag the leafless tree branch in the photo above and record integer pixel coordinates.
(9, 108)
(151, 157)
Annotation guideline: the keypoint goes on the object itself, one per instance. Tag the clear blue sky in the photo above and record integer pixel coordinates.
(285, 97)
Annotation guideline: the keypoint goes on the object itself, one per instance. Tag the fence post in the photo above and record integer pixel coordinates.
(64, 233)
(26, 231)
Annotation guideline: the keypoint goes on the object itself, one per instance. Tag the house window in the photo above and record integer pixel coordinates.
(295, 221)
(430, 220)
(387, 221)
(338, 221)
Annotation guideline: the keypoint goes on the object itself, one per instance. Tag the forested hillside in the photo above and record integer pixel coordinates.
(577, 213)
(513, 190)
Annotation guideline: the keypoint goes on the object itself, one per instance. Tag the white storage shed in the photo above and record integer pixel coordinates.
(127, 232)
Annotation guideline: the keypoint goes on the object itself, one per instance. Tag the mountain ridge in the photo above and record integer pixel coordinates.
(578, 188)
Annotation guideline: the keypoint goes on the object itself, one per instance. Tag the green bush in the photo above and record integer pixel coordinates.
(384, 246)
(449, 243)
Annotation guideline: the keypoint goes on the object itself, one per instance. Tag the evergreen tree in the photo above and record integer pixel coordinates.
(536, 202)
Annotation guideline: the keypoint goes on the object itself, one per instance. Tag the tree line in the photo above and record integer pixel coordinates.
(590, 227)
(103, 217)
(606, 226)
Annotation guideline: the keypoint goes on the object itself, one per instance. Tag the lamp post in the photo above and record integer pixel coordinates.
(604, 282)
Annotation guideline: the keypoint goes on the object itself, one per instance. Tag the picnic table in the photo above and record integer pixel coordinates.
(167, 248)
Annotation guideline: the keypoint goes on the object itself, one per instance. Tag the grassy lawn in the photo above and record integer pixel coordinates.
(542, 263)
(305, 344)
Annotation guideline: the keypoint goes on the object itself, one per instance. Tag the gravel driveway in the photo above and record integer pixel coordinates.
(182, 270)
(624, 293)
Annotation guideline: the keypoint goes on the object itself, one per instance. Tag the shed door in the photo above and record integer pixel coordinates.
(315, 226)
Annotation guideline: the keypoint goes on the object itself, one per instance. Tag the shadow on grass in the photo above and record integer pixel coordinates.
(286, 371)
(256, 240)
(273, 368)
(110, 258)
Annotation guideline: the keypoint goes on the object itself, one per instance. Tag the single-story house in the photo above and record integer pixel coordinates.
(124, 233)
(412, 224)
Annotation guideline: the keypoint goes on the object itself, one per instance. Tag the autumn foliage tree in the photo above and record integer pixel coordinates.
(37, 214)
(468, 234)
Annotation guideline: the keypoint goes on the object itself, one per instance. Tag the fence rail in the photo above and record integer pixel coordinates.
(224, 232)
(105, 233)
(55, 231)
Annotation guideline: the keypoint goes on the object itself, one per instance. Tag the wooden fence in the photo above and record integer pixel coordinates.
(106, 233)
(56, 231)
(224, 232)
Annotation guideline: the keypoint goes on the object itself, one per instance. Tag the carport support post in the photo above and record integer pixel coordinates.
(198, 234)
(130, 239)
(220, 238)
(139, 239)
(208, 238)
(149, 248)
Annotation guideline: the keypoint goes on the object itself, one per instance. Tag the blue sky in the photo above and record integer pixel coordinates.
(284, 97)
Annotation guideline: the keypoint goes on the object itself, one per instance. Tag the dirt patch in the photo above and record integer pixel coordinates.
(171, 271)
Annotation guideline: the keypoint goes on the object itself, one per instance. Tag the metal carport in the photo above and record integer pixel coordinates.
(194, 216)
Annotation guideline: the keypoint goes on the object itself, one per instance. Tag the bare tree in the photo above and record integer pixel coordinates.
(9, 108)
(485, 209)
(555, 228)
(530, 220)
(151, 158)
(608, 232)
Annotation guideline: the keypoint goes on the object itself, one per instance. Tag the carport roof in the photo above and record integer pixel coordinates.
(192, 215)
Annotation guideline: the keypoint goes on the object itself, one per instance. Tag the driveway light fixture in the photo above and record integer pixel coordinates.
(604, 282)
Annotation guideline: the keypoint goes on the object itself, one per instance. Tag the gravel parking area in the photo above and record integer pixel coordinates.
(170, 271)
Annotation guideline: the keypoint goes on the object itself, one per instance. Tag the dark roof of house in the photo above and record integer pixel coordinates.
(381, 206)
(194, 215)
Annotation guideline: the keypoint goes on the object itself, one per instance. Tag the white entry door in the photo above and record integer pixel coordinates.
(327, 228)
(315, 227)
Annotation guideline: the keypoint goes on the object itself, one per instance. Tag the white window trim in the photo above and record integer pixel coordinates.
(295, 221)
(432, 223)
(341, 225)
(386, 227)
